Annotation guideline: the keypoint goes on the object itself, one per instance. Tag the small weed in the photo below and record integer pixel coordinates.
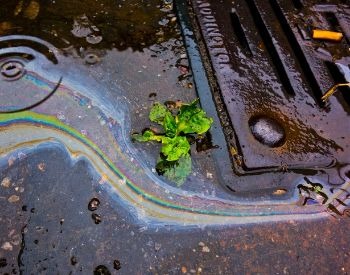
(179, 124)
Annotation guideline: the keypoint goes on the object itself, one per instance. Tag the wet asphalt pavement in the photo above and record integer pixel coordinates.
(50, 230)
(59, 217)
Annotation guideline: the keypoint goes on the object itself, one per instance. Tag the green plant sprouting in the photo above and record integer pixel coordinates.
(175, 161)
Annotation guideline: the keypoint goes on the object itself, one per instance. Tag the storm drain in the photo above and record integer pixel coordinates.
(271, 75)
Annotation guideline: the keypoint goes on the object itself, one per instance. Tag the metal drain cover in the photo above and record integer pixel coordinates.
(268, 66)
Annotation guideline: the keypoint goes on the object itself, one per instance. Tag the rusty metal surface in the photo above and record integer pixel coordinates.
(267, 66)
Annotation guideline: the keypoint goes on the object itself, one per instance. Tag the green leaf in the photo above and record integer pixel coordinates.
(169, 125)
(176, 171)
(175, 162)
(158, 113)
(175, 148)
(193, 120)
(148, 135)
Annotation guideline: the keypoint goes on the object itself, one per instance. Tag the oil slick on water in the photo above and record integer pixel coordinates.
(91, 122)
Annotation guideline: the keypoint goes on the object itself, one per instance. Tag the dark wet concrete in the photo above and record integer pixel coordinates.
(141, 52)
(47, 226)
(120, 24)
(50, 229)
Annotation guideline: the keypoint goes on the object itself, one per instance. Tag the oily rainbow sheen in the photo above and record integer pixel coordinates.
(206, 216)
(52, 122)
(111, 153)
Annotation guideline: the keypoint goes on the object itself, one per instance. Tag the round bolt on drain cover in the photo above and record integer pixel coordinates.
(267, 131)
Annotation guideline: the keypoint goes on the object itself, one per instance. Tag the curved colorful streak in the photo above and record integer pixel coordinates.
(39, 81)
(161, 209)
(43, 86)
(138, 186)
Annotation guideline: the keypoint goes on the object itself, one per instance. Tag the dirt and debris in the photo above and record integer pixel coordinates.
(94, 204)
(6, 182)
(13, 198)
(97, 218)
(7, 246)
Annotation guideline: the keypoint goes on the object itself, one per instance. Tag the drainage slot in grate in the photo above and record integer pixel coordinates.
(240, 33)
(269, 45)
(332, 21)
(298, 4)
(282, 75)
(304, 65)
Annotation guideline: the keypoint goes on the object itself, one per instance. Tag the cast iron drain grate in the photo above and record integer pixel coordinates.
(271, 75)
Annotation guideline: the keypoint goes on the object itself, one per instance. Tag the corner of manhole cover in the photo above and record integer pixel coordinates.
(268, 66)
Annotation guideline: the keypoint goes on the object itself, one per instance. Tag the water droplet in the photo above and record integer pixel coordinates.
(91, 58)
(267, 131)
(101, 270)
(81, 26)
(117, 265)
(93, 39)
(163, 21)
(73, 260)
(152, 95)
(93, 204)
(97, 218)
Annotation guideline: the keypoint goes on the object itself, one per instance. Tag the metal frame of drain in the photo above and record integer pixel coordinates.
(311, 162)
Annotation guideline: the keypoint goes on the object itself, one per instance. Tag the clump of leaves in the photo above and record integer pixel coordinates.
(188, 119)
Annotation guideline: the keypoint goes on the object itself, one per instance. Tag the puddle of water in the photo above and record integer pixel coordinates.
(90, 111)
(102, 24)
(102, 84)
